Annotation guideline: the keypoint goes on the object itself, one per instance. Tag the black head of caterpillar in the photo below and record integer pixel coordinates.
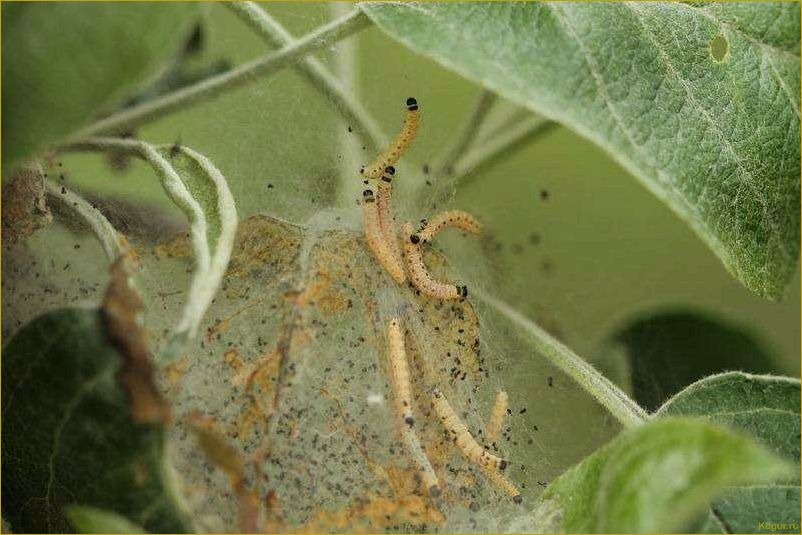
(389, 171)
(367, 195)
(412, 104)
(414, 238)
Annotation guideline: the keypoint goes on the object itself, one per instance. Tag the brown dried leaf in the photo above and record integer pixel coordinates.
(122, 308)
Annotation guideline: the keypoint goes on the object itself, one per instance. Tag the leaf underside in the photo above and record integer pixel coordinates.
(700, 102)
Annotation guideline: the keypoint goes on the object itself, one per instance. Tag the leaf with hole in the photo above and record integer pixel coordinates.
(700, 102)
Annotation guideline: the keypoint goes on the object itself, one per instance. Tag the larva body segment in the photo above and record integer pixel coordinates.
(449, 218)
(399, 145)
(503, 483)
(418, 273)
(375, 237)
(400, 370)
(498, 417)
(462, 437)
(384, 195)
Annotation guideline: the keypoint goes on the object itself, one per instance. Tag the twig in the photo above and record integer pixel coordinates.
(243, 74)
(597, 385)
(468, 132)
(103, 230)
(488, 154)
(274, 34)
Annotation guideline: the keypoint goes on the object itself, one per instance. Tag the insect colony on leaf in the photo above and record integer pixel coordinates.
(399, 262)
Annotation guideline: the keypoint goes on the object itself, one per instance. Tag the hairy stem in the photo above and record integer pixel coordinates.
(211, 255)
(345, 68)
(338, 93)
(615, 400)
(103, 230)
(467, 134)
(487, 155)
(237, 77)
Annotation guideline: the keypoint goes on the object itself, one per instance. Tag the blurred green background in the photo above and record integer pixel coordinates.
(586, 257)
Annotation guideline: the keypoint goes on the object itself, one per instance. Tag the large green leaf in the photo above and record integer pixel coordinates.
(655, 478)
(663, 352)
(64, 63)
(767, 408)
(699, 102)
(67, 436)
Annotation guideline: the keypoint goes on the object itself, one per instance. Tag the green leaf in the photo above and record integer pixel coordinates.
(656, 477)
(94, 520)
(665, 351)
(764, 406)
(768, 408)
(67, 437)
(717, 140)
(66, 63)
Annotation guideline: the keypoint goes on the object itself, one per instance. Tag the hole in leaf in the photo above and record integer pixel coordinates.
(719, 47)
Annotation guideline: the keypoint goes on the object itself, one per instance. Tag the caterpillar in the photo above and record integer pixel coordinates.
(386, 219)
(450, 218)
(463, 438)
(504, 483)
(375, 237)
(418, 274)
(400, 370)
(497, 417)
(399, 145)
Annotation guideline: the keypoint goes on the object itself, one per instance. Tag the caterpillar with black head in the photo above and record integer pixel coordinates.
(399, 145)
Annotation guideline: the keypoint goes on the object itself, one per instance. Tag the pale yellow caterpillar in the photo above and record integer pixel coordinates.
(504, 483)
(497, 417)
(399, 145)
(375, 238)
(418, 273)
(471, 449)
(386, 218)
(400, 370)
(450, 218)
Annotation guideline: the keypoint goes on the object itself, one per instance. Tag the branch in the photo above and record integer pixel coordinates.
(103, 230)
(487, 155)
(597, 385)
(468, 132)
(236, 77)
(274, 34)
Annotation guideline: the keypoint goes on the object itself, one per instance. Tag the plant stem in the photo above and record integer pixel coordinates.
(597, 385)
(487, 155)
(468, 132)
(339, 94)
(236, 77)
(103, 230)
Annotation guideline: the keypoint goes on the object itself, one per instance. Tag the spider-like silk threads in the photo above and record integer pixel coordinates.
(428, 476)
(498, 417)
(400, 370)
(375, 238)
(450, 218)
(418, 273)
(471, 449)
(399, 145)
(384, 195)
